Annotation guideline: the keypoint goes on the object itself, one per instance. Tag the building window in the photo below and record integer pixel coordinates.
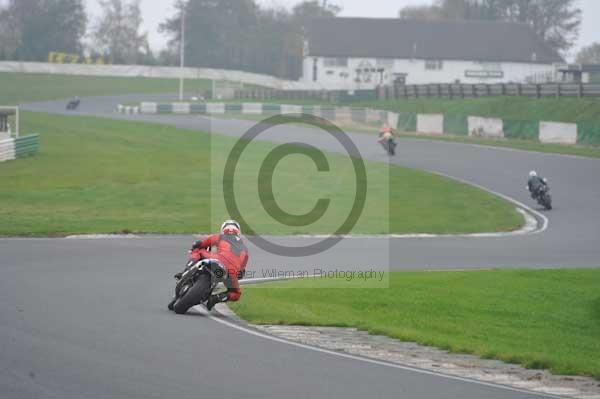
(434, 65)
(335, 62)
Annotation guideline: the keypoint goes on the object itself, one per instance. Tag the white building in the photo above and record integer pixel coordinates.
(361, 53)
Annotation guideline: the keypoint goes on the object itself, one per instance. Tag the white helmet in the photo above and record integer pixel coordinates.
(231, 227)
(533, 173)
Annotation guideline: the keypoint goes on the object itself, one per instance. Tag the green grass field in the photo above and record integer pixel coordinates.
(16, 88)
(540, 319)
(97, 175)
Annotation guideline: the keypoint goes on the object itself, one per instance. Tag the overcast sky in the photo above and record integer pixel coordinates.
(155, 12)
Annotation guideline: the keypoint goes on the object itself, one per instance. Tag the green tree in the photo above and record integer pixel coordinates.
(238, 34)
(314, 8)
(221, 31)
(118, 34)
(555, 21)
(589, 54)
(31, 29)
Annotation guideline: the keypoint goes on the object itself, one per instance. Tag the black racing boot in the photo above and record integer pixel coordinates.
(214, 299)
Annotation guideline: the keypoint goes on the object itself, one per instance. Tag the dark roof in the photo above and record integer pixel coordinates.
(446, 40)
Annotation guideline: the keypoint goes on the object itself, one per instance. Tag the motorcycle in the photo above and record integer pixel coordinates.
(389, 145)
(73, 104)
(196, 284)
(544, 198)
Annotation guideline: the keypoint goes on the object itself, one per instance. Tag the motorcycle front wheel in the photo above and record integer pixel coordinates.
(193, 296)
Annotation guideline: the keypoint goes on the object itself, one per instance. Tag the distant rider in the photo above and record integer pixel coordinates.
(231, 252)
(386, 133)
(535, 184)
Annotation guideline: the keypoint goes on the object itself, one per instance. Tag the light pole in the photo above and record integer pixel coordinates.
(182, 53)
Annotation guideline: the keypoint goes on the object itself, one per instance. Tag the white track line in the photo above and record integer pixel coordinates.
(255, 333)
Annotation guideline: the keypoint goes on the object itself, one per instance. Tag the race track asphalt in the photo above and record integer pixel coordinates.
(86, 318)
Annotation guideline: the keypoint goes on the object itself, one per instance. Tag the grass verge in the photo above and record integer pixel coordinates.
(17, 88)
(579, 150)
(540, 319)
(96, 175)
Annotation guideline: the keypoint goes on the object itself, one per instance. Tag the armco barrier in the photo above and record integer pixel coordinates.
(523, 130)
(125, 109)
(430, 123)
(181, 108)
(20, 147)
(545, 132)
(7, 150)
(485, 127)
(252, 109)
(588, 133)
(407, 122)
(456, 124)
(558, 133)
(27, 145)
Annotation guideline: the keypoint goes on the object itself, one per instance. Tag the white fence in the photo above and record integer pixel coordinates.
(430, 123)
(558, 133)
(7, 150)
(156, 72)
(485, 127)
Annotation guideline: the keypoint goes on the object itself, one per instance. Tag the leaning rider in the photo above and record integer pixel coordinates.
(535, 183)
(386, 132)
(231, 252)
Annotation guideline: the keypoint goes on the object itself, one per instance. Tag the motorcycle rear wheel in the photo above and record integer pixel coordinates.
(547, 202)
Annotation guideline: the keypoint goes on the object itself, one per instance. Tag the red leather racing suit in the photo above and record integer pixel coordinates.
(231, 252)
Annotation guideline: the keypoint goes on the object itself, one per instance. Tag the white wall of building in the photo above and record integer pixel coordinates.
(344, 77)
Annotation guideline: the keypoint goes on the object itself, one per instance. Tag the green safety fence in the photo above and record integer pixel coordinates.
(233, 107)
(164, 108)
(524, 130)
(198, 108)
(456, 124)
(27, 145)
(307, 109)
(407, 122)
(272, 108)
(588, 133)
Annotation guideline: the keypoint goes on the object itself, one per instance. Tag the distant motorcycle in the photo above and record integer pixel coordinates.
(543, 197)
(73, 104)
(196, 284)
(389, 145)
